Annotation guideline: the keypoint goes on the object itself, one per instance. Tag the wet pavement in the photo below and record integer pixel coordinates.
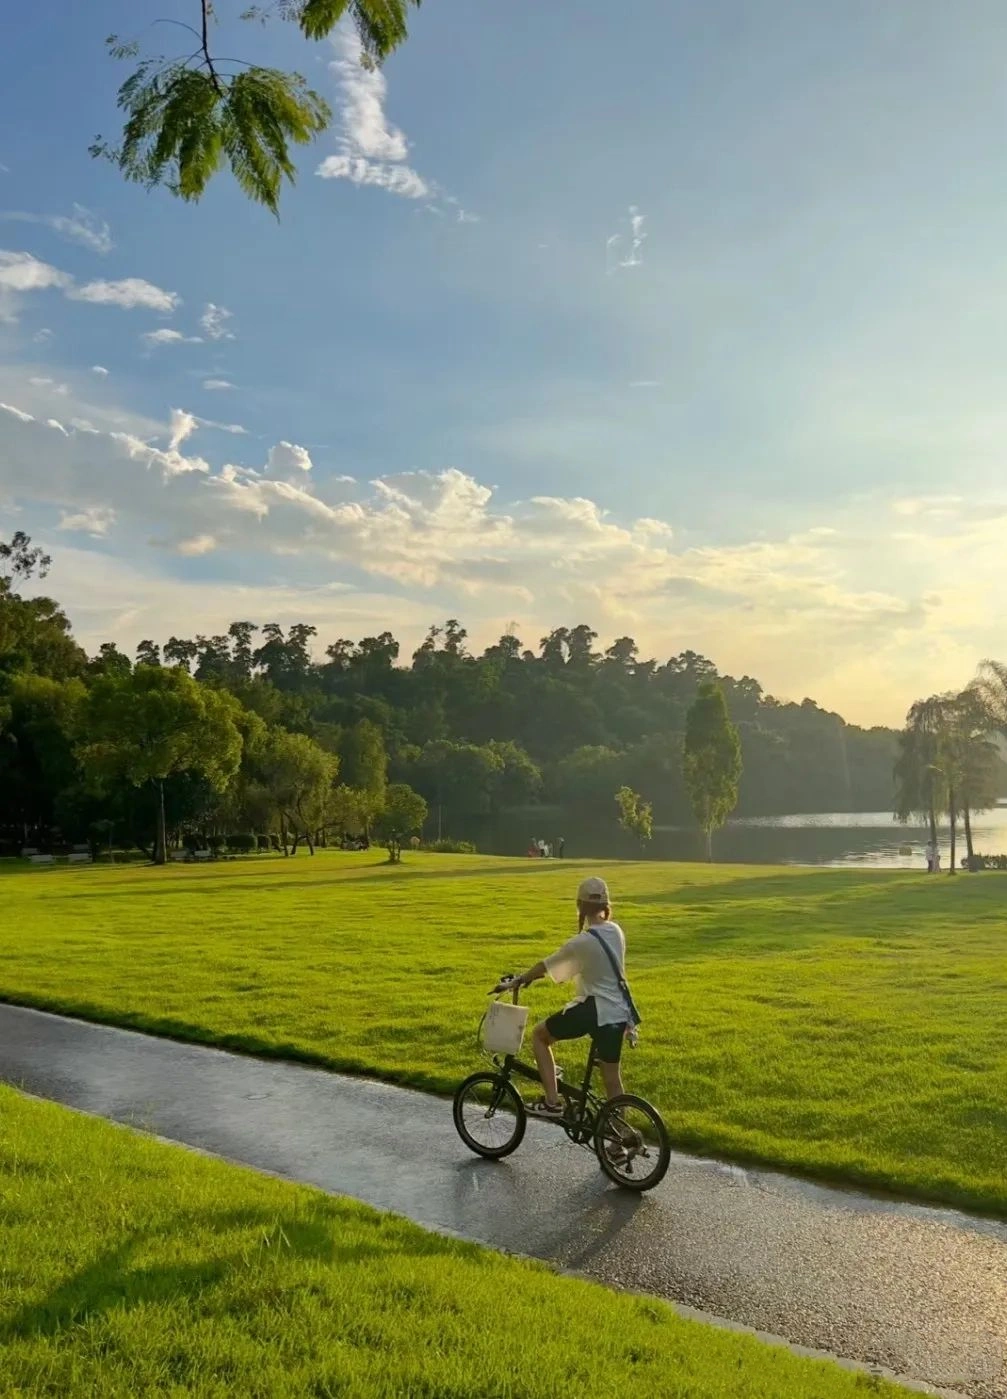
(920, 1292)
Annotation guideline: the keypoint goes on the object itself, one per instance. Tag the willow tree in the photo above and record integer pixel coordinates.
(190, 114)
(947, 763)
(919, 790)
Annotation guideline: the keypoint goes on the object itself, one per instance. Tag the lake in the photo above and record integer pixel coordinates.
(867, 838)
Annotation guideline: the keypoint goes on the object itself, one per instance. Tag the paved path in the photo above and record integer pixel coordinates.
(918, 1291)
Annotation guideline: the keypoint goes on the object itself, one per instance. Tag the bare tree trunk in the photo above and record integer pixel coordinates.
(161, 838)
(709, 844)
(967, 814)
(283, 836)
(933, 825)
(953, 816)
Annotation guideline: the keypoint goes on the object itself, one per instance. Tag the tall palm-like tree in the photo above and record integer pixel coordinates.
(990, 685)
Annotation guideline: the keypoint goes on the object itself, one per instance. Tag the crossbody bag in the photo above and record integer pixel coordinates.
(634, 1014)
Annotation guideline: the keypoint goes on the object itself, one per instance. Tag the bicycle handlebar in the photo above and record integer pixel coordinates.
(506, 983)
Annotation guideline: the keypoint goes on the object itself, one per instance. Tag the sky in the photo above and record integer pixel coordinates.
(687, 321)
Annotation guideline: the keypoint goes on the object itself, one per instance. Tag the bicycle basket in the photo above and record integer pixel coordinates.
(503, 1028)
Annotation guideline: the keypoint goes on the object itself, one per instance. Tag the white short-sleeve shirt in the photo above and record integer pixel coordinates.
(583, 962)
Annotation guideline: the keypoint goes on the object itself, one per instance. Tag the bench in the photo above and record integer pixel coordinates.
(79, 857)
(42, 859)
(201, 855)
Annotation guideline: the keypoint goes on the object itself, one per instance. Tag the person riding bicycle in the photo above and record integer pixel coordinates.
(594, 958)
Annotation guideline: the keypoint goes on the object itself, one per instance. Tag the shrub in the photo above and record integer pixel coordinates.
(447, 846)
(986, 862)
(242, 842)
(216, 843)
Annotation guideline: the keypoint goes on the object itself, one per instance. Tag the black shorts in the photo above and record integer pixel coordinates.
(582, 1019)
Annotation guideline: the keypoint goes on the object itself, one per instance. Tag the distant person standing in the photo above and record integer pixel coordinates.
(931, 852)
(560, 847)
(937, 859)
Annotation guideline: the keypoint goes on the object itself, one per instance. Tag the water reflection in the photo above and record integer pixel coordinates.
(859, 838)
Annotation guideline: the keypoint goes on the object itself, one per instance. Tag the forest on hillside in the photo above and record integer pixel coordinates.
(566, 723)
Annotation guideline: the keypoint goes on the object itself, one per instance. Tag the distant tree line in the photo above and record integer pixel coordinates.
(245, 732)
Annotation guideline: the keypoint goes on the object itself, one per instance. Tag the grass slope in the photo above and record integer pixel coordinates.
(129, 1267)
(849, 1024)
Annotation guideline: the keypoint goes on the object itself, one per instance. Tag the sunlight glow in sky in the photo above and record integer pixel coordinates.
(685, 321)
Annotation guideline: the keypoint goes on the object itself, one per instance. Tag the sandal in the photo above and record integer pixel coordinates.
(541, 1108)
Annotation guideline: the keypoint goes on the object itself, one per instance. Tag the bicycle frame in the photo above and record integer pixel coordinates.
(579, 1128)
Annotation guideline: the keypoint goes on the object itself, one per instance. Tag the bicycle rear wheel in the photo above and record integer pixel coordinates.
(489, 1115)
(632, 1143)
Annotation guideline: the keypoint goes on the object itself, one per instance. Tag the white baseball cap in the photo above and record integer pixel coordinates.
(593, 891)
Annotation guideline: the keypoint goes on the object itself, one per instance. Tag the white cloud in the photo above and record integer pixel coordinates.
(22, 272)
(40, 381)
(95, 522)
(799, 611)
(235, 429)
(182, 425)
(217, 385)
(43, 336)
(363, 106)
(397, 179)
(199, 544)
(131, 293)
(100, 370)
(214, 322)
(644, 383)
(82, 226)
(286, 461)
(373, 151)
(170, 337)
(625, 249)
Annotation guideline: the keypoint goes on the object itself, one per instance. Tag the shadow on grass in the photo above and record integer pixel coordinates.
(112, 1281)
(109, 1282)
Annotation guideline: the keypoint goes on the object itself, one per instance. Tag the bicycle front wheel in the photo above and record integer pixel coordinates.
(489, 1115)
(632, 1143)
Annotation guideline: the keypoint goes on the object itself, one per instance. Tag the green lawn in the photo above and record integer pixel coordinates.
(132, 1268)
(846, 1023)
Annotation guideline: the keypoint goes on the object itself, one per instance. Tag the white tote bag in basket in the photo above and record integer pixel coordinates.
(503, 1028)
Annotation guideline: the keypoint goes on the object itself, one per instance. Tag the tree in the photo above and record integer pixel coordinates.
(34, 632)
(711, 760)
(363, 766)
(915, 773)
(965, 762)
(982, 772)
(20, 562)
(109, 661)
(517, 780)
(299, 776)
(38, 765)
(189, 115)
(241, 649)
(635, 815)
(179, 652)
(154, 723)
(148, 653)
(402, 816)
(459, 776)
